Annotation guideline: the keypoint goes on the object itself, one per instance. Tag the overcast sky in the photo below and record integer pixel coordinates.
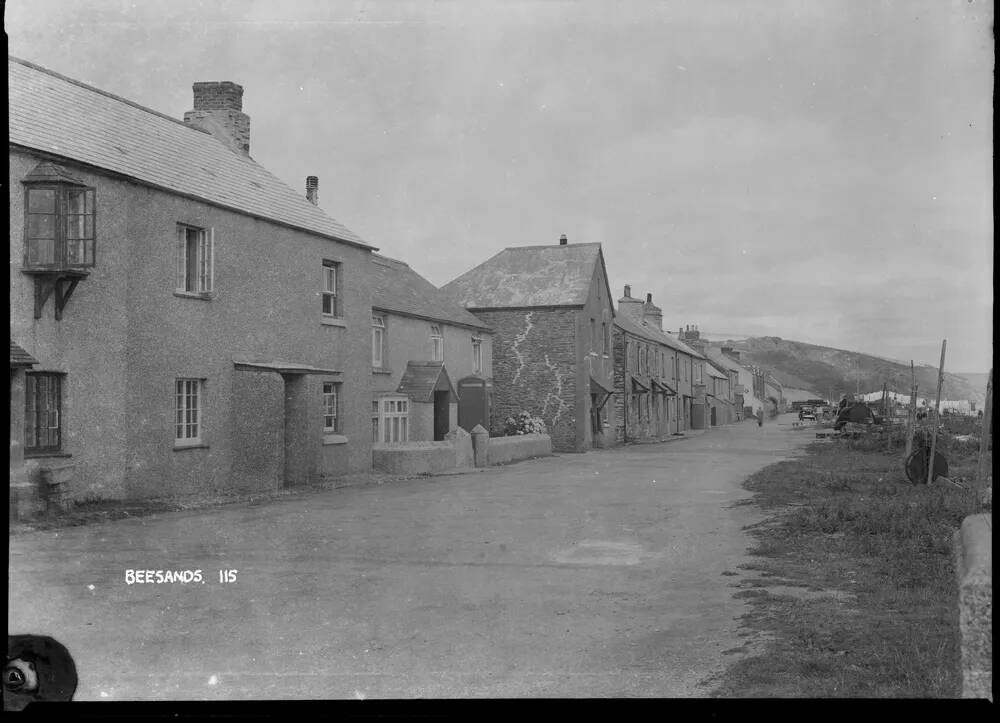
(817, 170)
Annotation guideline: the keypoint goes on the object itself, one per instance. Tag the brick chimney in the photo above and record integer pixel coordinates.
(632, 308)
(692, 337)
(562, 240)
(652, 313)
(218, 109)
(312, 190)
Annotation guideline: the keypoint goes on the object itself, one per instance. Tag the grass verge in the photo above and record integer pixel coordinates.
(852, 589)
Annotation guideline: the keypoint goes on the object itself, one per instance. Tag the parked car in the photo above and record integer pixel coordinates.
(807, 413)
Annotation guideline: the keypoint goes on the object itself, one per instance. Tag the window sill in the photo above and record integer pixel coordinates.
(334, 439)
(333, 321)
(43, 455)
(381, 370)
(207, 296)
(185, 447)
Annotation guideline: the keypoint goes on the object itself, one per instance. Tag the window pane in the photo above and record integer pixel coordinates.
(41, 251)
(75, 201)
(191, 260)
(41, 200)
(395, 429)
(402, 429)
(41, 226)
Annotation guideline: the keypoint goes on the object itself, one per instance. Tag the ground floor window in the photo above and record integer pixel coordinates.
(43, 412)
(331, 407)
(187, 408)
(375, 421)
(394, 419)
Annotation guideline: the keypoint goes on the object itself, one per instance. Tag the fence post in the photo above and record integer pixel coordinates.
(984, 435)
(911, 415)
(937, 416)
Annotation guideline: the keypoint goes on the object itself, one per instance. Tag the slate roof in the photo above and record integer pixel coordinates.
(655, 335)
(54, 114)
(529, 276)
(713, 372)
(398, 288)
(19, 357)
(421, 379)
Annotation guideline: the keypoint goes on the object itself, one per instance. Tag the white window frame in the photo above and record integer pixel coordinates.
(330, 294)
(203, 281)
(437, 343)
(477, 355)
(394, 419)
(189, 406)
(378, 341)
(332, 421)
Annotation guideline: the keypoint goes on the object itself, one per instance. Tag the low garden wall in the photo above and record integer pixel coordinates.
(503, 450)
(455, 452)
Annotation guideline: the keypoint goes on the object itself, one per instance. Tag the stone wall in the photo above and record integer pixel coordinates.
(534, 368)
(974, 564)
(504, 450)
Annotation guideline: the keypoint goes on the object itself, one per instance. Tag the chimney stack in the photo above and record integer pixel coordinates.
(627, 306)
(312, 190)
(218, 110)
(652, 314)
(562, 240)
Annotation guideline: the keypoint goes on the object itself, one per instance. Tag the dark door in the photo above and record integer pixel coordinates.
(472, 404)
(714, 423)
(440, 415)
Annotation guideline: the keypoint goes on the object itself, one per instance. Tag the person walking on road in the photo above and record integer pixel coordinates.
(760, 416)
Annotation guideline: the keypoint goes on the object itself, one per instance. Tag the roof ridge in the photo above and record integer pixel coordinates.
(552, 246)
(105, 93)
(389, 258)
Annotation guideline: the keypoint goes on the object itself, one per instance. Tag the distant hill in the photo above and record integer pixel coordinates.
(821, 369)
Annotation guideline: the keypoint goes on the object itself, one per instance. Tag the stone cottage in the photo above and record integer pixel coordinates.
(551, 313)
(653, 373)
(193, 323)
(431, 361)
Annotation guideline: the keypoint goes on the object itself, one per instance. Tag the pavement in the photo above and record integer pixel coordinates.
(580, 575)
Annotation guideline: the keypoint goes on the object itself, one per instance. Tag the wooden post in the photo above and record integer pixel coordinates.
(937, 412)
(911, 415)
(984, 439)
(886, 421)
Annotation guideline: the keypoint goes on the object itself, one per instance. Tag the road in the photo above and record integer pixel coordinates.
(590, 575)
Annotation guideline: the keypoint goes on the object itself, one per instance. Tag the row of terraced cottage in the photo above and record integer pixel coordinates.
(183, 322)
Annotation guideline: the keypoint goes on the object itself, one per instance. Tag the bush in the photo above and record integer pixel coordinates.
(523, 423)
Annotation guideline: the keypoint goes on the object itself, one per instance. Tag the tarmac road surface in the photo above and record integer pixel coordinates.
(581, 575)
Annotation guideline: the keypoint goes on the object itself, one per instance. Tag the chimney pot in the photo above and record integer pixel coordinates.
(649, 298)
(562, 240)
(312, 190)
(628, 291)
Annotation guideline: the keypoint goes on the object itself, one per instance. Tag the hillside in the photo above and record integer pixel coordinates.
(822, 369)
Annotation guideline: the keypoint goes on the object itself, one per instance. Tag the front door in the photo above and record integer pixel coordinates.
(441, 415)
(472, 403)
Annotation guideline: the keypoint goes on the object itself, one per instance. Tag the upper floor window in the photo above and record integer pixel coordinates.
(477, 355)
(43, 412)
(59, 224)
(593, 334)
(437, 344)
(605, 339)
(195, 259)
(378, 340)
(332, 305)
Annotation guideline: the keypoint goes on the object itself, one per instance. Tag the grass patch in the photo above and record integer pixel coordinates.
(862, 564)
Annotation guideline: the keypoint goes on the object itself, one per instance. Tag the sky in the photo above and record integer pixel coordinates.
(818, 170)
